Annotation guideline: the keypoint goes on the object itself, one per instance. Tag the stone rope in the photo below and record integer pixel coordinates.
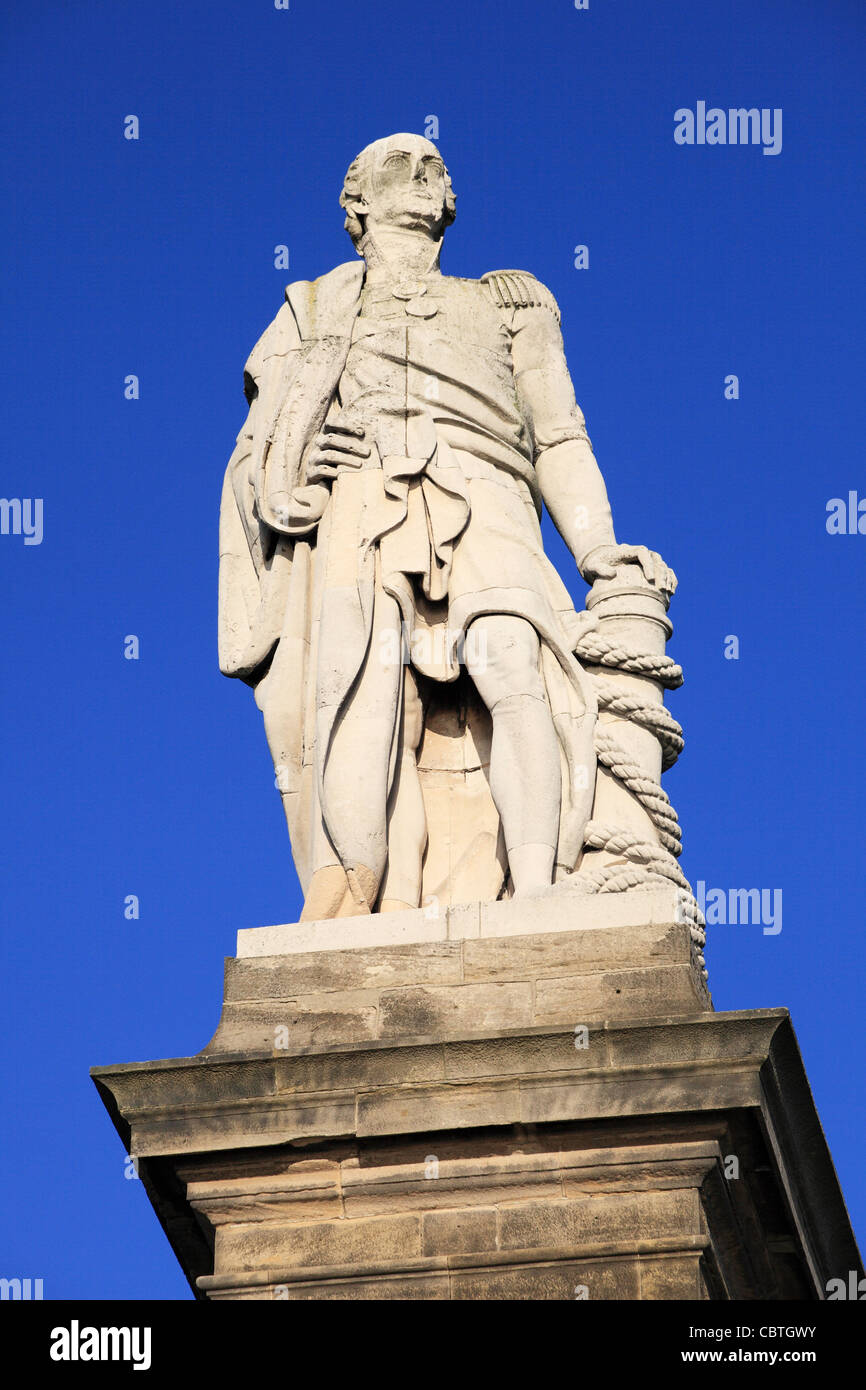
(595, 650)
(648, 792)
(646, 862)
(600, 836)
(655, 718)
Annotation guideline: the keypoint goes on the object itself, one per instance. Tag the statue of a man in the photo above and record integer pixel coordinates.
(383, 584)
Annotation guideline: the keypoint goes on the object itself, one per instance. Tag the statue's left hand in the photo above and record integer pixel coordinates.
(336, 446)
(602, 563)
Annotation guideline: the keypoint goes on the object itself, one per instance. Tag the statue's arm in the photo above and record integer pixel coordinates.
(569, 477)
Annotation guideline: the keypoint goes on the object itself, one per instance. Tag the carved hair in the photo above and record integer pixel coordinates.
(353, 193)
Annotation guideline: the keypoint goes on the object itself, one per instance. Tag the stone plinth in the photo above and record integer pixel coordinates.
(478, 968)
(487, 1105)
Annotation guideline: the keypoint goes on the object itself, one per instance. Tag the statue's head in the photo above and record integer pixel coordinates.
(398, 182)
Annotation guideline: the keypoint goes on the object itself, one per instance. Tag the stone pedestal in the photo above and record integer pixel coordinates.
(528, 1099)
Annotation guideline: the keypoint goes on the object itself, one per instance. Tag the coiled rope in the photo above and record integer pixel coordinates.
(645, 862)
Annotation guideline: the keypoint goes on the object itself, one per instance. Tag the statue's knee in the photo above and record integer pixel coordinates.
(502, 658)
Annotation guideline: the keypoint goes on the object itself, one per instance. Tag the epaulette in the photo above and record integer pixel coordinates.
(517, 289)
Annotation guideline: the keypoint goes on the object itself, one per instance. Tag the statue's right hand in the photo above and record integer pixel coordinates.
(336, 447)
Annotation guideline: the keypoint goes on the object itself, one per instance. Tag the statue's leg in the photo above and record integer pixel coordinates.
(355, 790)
(502, 657)
(407, 821)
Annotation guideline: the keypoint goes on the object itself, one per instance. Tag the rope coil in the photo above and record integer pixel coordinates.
(645, 862)
(595, 650)
(655, 718)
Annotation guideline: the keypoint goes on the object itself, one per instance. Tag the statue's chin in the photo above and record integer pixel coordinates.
(424, 218)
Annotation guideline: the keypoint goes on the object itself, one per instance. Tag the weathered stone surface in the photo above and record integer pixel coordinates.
(602, 1218)
(382, 967)
(496, 1167)
(264, 1243)
(533, 1052)
(306, 1021)
(444, 1012)
(297, 1001)
(676, 1277)
(307, 1192)
(643, 993)
(458, 1232)
(594, 948)
(358, 1069)
(407, 1286)
(555, 1279)
(453, 1106)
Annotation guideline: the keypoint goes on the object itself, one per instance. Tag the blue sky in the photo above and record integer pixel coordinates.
(155, 257)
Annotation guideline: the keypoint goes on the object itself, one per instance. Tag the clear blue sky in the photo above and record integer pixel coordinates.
(155, 257)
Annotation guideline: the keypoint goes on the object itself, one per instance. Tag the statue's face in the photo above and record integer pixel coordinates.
(406, 185)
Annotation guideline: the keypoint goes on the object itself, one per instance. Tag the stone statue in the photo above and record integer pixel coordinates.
(383, 584)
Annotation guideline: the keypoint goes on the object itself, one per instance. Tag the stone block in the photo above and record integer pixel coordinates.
(358, 1069)
(645, 993)
(407, 1288)
(565, 910)
(381, 967)
(541, 954)
(291, 1197)
(449, 1011)
(343, 934)
(306, 1021)
(560, 1279)
(264, 1244)
(424, 1108)
(672, 1277)
(457, 1232)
